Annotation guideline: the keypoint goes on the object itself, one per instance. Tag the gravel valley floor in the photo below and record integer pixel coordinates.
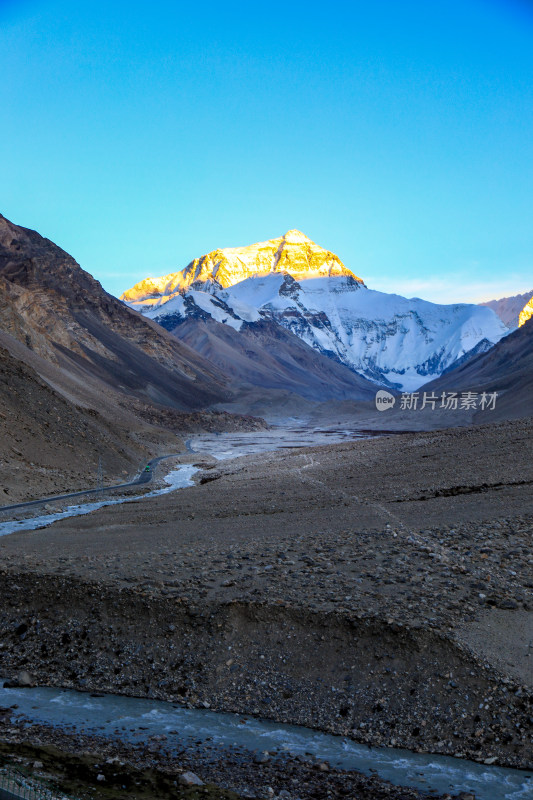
(380, 588)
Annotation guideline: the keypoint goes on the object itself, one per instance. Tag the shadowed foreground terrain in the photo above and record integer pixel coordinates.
(380, 589)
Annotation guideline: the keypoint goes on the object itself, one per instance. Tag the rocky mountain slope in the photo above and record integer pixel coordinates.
(267, 355)
(84, 378)
(49, 444)
(509, 308)
(507, 368)
(62, 313)
(391, 340)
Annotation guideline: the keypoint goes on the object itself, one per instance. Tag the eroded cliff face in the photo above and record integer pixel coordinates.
(134, 641)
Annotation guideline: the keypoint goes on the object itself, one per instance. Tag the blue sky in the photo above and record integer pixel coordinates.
(397, 134)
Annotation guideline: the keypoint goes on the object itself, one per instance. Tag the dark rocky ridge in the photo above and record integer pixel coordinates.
(61, 312)
(120, 387)
(265, 355)
(507, 368)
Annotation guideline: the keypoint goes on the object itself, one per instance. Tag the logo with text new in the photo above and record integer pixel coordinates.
(384, 400)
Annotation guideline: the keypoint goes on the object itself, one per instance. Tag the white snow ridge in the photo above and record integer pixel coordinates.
(394, 341)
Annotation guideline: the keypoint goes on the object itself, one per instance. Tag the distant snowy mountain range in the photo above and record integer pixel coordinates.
(512, 310)
(391, 340)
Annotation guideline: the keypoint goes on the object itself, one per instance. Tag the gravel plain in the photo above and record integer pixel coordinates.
(380, 588)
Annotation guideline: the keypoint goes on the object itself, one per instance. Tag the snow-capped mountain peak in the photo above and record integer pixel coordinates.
(293, 282)
(293, 253)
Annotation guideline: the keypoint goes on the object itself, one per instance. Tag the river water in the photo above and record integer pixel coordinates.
(134, 719)
(285, 437)
(221, 446)
(178, 478)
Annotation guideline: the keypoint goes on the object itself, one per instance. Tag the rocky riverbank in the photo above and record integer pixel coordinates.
(381, 589)
(377, 680)
(101, 769)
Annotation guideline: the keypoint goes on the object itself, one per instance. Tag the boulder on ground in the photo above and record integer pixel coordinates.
(190, 779)
(22, 680)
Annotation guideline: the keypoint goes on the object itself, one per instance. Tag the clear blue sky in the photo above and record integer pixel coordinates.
(398, 134)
